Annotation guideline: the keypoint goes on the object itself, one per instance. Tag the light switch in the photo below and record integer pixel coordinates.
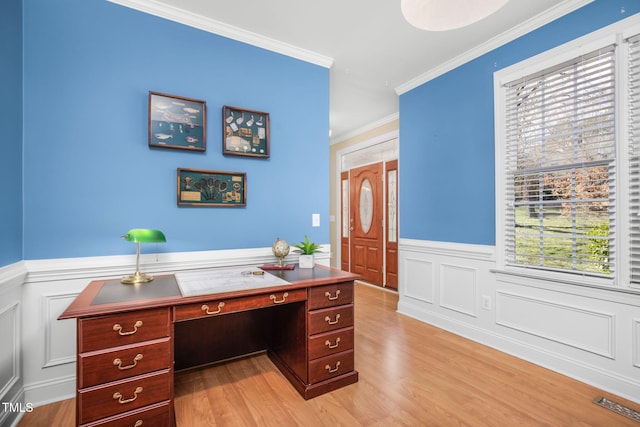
(315, 220)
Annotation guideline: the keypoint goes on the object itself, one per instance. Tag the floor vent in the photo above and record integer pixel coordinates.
(618, 408)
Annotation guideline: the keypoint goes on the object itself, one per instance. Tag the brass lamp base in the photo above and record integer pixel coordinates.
(137, 277)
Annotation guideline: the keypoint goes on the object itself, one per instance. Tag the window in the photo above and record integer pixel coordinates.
(561, 166)
(634, 159)
(568, 162)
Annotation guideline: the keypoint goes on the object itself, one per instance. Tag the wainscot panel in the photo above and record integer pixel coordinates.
(458, 288)
(422, 283)
(11, 380)
(636, 343)
(10, 349)
(59, 336)
(595, 333)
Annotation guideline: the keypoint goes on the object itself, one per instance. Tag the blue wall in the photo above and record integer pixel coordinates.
(11, 125)
(89, 175)
(447, 185)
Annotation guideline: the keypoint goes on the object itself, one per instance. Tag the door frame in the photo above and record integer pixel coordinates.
(338, 182)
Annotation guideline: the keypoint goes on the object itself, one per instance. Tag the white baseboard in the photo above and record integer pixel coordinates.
(9, 417)
(54, 390)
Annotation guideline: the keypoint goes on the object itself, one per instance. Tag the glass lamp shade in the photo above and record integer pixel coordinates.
(144, 235)
(443, 15)
(141, 235)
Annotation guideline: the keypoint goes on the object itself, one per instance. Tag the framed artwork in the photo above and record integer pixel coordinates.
(245, 132)
(198, 187)
(177, 122)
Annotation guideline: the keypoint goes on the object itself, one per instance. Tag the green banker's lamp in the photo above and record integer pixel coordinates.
(141, 235)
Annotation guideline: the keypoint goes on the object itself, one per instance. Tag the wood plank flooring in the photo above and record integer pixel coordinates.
(411, 374)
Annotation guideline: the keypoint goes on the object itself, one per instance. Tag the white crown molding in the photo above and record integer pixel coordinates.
(381, 122)
(185, 17)
(561, 9)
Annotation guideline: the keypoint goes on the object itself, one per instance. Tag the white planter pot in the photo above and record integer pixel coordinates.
(306, 261)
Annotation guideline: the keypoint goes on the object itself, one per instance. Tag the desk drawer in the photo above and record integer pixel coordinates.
(102, 401)
(330, 319)
(158, 415)
(330, 295)
(330, 366)
(223, 306)
(322, 345)
(122, 329)
(124, 362)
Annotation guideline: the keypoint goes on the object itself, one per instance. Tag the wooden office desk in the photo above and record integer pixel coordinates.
(130, 338)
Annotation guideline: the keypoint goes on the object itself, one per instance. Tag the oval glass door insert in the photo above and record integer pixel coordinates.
(366, 205)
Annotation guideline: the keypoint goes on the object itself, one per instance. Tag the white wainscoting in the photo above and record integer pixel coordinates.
(57, 334)
(636, 342)
(10, 349)
(589, 334)
(11, 380)
(35, 293)
(595, 334)
(421, 288)
(458, 288)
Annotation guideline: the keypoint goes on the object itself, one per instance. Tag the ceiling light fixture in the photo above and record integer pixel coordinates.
(443, 15)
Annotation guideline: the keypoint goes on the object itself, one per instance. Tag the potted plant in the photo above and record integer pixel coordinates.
(306, 249)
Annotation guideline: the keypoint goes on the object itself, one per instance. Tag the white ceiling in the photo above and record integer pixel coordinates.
(372, 52)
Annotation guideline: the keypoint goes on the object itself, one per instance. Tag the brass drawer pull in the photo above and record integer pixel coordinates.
(118, 396)
(276, 301)
(332, 322)
(328, 295)
(328, 343)
(331, 371)
(136, 359)
(118, 328)
(205, 308)
(138, 423)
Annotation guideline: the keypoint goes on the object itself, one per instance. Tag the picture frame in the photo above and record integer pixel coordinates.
(245, 132)
(199, 187)
(177, 122)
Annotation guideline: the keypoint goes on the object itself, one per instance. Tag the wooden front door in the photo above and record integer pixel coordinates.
(366, 223)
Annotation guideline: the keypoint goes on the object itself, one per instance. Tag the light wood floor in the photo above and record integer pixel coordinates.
(411, 374)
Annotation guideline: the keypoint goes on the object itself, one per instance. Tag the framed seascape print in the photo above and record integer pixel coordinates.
(245, 132)
(177, 122)
(198, 187)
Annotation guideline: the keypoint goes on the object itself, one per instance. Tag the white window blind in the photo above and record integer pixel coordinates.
(634, 158)
(560, 167)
